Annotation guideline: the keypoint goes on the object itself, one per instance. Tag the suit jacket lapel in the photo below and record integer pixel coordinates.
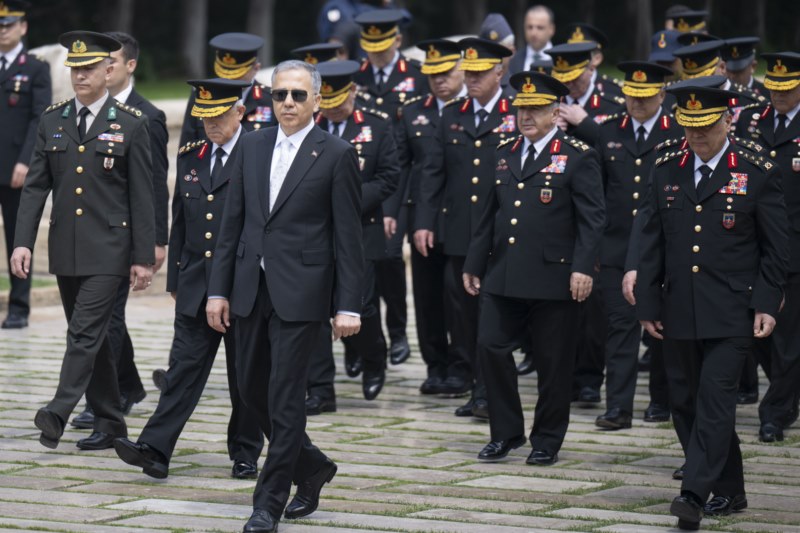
(719, 177)
(306, 155)
(491, 122)
(226, 168)
(686, 179)
(100, 123)
(13, 68)
(70, 122)
(264, 156)
(792, 131)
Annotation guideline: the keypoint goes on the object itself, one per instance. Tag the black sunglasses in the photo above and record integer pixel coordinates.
(298, 95)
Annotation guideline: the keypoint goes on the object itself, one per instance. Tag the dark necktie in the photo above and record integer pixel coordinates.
(705, 173)
(337, 128)
(640, 132)
(482, 114)
(3, 63)
(381, 79)
(216, 171)
(781, 127)
(529, 159)
(82, 122)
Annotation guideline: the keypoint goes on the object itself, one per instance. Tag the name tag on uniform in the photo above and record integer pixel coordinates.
(112, 137)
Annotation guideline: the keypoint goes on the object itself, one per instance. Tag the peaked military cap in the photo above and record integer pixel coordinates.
(12, 10)
(739, 52)
(496, 28)
(643, 79)
(379, 28)
(441, 55)
(542, 66)
(663, 45)
(215, 96)
(699, 59)
(536, 89)
(690, 20)
(317, 53)
(235, 53)
(783, 71)
(87, 47)
(337, 79)
(699, 106)
(570, 60)
(580, 32)
(480, 54)
(694, 37)
(716, 81)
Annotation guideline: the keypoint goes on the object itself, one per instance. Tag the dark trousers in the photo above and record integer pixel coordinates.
(591, 333)
(622, 342)
(88, 366)
(703, 382)
(390, 276)
(432, 313)
(780, 357)
(272, 369)
(504, 323)
(321, 366)
(19, 299)
(369, 343)
(463, 360)
(748, 382)
(658, 384)
(194, 348)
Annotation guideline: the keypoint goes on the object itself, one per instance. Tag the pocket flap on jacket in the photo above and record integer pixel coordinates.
(558, 255)
(119, 220)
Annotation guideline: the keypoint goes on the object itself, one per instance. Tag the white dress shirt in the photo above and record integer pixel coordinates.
(387, 70)
(789, 117)
(648, 125)
(530, 54)
(712, 163)
(11, 56)
(476, 106)
(227, 148)
(441, 103)
(285, 151)
(124, 94)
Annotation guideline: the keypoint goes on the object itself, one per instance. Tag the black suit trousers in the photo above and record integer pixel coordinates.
(194, 348)
(88, 366)
(703, 382)
(463, 360)
(658, 383)
(504, 323)
(272, 368)
(19, 299)
(432, 313)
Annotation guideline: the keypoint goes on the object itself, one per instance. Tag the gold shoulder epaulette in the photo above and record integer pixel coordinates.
(62, 103)
(669, 142)
(757, 160)
(669, 156)
(364, 95)
(375, 112)
(753, 105)
(508, 141)
(191, 146)
(576, 143)
(609, 118)
(615, 81)
(455, 100)
(415, 99)
(747, 143)
(128, 109)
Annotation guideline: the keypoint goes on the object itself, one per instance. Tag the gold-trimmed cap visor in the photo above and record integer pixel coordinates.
(86, 48)
(699, 106)
(571, 60)
(643, 79)
(536, 89)
(379, 28)
(337, 82)
(215, 96)
(783, 71)
(235, 53)
(481, 54)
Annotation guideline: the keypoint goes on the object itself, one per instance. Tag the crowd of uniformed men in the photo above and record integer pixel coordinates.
(549, 209)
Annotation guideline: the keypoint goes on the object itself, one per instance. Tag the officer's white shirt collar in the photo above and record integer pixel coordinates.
(441, 103)
(790, 115)
(337, 128)
(585, 96)
(530, 53)
(12, 55)
(476, 106)
(712, 163)
(539, 145)
(125, 93)
(227, 147)
(388, 69)
(94, 109)
(648, 124)
(295, 139)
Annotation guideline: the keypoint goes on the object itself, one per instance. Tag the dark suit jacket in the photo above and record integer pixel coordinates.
(540, 226)
(101, 221)
(158, 154)
(708, 262)
(310, 241)
(25, 92)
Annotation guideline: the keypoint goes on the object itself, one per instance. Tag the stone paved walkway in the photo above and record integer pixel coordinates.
(405, 462)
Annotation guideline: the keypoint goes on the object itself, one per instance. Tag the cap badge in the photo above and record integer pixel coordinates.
(326, 88)
(79, 47)
(689, 63)
(734, 52)
(311, 60)
(682, 25)
(662, 41)
(528, 87)
(639, 76)
(373, 31)
(693, 104)
(204, 93)
(779, 68)
(561, 63)
(577, 36)
(493, 35)
(228, 59)
(433, 53)
(471, 53)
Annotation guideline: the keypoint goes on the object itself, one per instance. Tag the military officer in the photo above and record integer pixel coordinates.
(627, 146)
(739, 55)
(93, 153)
(776, 126)
(370, 132)
(200, 190)
(235, 58)
(387, 80)
(531, 259)
(712, 266)
(414, 133)
(686, 20)
(496, 28)
(314, 54)
(580, 32)
(24, 94)
(456, 179)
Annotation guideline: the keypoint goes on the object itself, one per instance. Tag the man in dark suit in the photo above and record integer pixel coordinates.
(776, 126)
(25, 92)
(200, 192)
(120, 85)
(235, 58)
(627, 144)
(289, 254)
(712, 267)
(531, 259)
(540, 27)
(93, 153)
(457, 176)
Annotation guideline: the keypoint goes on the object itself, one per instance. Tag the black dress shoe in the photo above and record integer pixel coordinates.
(724, 505)
(614, 419)
(317, 404)
(589, 395)
(85, 420)
(480, 408)
(140, 454)
(96, 441)
(399, 351)
(770, 432)
(498, 449)
(51, 425)
(466, 409)
(542, 458)
(244, 470)
(372, 383)
(678, 472)
(306, 499)
(261, 522)
(128, 399)
(656, 413)
(160, 378)
(526, 366)
(353, 365)
(432, 385)
(15, 321)
(744, 397)
(688, 511)
(644, 361)
(455, 386)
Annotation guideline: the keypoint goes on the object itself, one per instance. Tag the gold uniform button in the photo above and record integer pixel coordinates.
(520, 186)
(478, 143)
(729, 200)
(695, 269)
(497, 182)
(419, 133)
(475, 180)
(257, 126)
(476, 162)
(474, 199)
(210, 197)
(511, 240)
(728, 207)
(111, 144)
(209, 216)
(638, 162)
(359, 147)
(379, 101)
(636, 196)
(124, 224)
(513, 221)
(773, 153)
(547, 183)
(372, 220)
(444, 210)
(79, 170)
(517, 203)
(698, 228)
(548, 177)
(634, 212)
(637, 179)
(79, 211)
(208, 253)
(81, 148)
(695, 248)
(698, 208)
(208, 235)
(187, 195)
(110, 151)
(79, 191)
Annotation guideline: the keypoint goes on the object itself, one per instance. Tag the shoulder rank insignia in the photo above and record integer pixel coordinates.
(750, 145)
(669, 156)
(191, 146)
(609, 118)
(379, 114)
(57, 105)
(508, 141)
(576, 143)
(415, 99)
(129, 109)
(678, 141)
(757, 160)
